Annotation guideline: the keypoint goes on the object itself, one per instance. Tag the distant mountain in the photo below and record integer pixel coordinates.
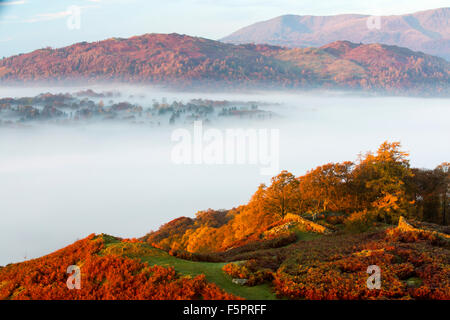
(180, 60)
(426, 31)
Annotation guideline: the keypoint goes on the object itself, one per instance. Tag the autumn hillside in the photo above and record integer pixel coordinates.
(106, 275)
(313, 236)
(184, 61)
(306, 237)
(376, 188)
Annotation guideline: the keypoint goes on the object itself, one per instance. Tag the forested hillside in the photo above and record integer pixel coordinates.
(377, 188)
(183, 61)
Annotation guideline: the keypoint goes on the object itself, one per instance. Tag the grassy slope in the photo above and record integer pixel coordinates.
(305, 236)
(212, 271)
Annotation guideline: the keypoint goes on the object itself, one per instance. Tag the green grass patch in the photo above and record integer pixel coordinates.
(306, 236)
(212, 271)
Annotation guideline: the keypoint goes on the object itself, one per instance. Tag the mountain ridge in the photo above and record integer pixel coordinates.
(185, 61)
(427, 31)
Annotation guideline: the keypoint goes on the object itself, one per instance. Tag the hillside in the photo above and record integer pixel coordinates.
(426, 31)
(308, 237)
(151, 58)
(183, 61)
(413, 266)
(105, 275)
(378, 188)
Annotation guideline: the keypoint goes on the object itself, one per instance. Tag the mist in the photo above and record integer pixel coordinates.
(61, 183)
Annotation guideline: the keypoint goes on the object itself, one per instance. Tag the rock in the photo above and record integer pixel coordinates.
(405, 226)
(240, 281)
(414, 282)
(309, 225)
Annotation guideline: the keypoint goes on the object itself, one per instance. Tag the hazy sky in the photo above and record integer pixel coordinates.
(26, 25)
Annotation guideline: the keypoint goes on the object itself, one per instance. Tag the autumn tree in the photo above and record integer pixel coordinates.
(326, 188)
(443, 171)
(431, 189)
(380, 181)
(281, 197)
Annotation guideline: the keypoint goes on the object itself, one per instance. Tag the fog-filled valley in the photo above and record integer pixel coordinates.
(62, 182)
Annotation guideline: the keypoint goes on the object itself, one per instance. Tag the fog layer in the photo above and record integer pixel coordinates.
(59, 184)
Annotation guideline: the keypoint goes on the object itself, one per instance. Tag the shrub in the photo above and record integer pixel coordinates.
(334, 220)
(248, 270)
(359, 221)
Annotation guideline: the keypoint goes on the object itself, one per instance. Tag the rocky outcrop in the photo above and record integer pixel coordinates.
(307, 224)
(405, 226)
